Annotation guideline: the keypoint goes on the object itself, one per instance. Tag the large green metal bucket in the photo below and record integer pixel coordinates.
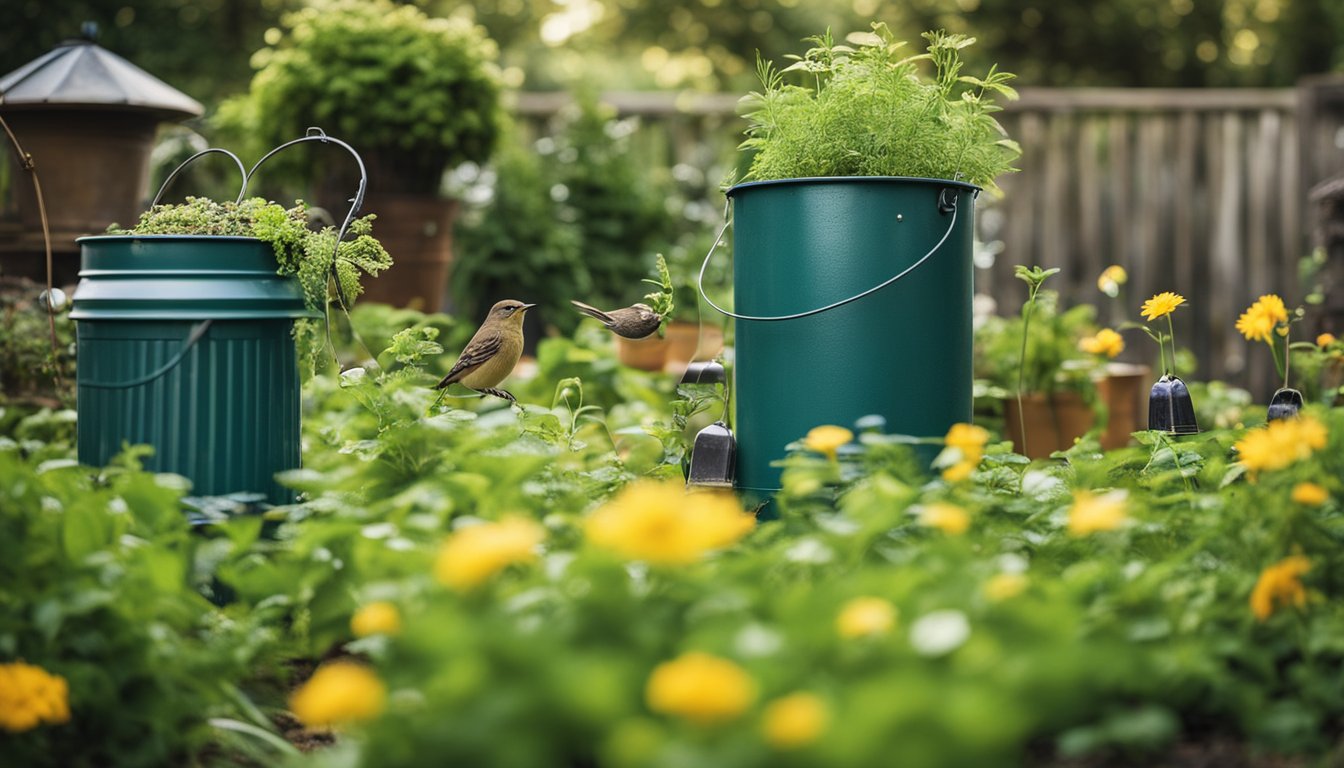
(818, 341)
(185, 344)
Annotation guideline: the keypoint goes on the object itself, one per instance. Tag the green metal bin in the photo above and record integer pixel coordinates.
(853, 298)
(185, 344)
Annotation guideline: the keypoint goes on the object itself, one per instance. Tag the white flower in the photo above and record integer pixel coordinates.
(940, 632)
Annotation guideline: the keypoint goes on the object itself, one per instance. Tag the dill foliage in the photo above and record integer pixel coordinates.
(866, 110)
(300, 251)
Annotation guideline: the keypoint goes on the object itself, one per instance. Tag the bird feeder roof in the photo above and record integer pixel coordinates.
(81, 75)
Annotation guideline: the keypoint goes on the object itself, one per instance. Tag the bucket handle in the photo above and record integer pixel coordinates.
(242, 172)
(947, 203)
(317, 134)
(197, 333)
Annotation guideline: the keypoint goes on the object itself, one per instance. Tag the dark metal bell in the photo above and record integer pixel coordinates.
(1170, 408)
(713, 457)
(1285, 404)
(710, 372)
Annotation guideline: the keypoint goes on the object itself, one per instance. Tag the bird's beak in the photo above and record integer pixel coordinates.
(526, 307)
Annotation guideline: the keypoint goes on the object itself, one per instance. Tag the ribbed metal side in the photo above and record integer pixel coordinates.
(226, 416)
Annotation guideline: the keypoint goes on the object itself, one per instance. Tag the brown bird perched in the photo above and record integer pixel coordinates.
(493, 352)
(633, 322)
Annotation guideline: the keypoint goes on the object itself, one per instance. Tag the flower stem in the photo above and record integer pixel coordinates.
(1022, 366)
(1171, 331)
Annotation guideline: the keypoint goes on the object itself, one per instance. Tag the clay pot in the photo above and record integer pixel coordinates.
(418, 232)
(647, 354)
(1053, 422)
(1123, 389)
(689, 341)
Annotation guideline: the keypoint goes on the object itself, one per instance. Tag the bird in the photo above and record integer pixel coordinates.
(633, 322)
(492, 352)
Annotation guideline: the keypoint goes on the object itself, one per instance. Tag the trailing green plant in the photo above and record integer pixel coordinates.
(418, 94)
(866, 110)
(312, 256)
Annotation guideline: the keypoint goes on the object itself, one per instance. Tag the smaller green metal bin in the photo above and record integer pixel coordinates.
(185, 344)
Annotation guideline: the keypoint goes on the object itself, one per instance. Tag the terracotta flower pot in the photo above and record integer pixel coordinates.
(418, 233)
(683, 340)
(648, 354)
(1053, 422)
(1123, 388)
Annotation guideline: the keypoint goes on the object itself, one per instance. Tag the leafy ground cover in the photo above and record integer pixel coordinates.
(485, 585)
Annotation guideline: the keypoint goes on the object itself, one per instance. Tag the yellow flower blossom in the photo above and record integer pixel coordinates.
(661, 523)
(865, 616)
(1325, 339)
(948, 518)
(1280, 584)
(1310, 494)
(1107, 342)
(827, 439)
(473, 554)
(794, 721)
(1280, 443)
(1259, 320)
(959, 471)
(31, 696)
(969, 440)
(1092, 512)
(1111, 279)
(380, 618)
(339, 692)
(1161, 305)
(701, 688)
(1005, 586)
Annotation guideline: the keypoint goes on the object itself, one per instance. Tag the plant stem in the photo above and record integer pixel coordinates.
(1171, 331)
(1022, 366)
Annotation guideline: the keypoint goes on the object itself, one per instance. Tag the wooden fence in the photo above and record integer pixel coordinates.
(1202, 192)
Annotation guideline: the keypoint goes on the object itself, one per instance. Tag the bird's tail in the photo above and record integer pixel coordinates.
(592, 312)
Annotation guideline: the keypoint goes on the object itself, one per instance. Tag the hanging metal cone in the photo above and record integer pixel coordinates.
(713, 457)
(704, 373)
(1170, 408)
(1285, 404)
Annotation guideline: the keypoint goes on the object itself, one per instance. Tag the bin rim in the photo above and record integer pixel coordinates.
(108, 238)
(860, 179)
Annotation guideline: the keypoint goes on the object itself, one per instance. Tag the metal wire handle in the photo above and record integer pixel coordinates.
(242, 172)
(946, 204)
(317, 134)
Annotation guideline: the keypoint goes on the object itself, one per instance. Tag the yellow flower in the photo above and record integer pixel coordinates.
(960, 471)
(1161, 305)
(1004, 586)
(865, 616)
(31, 696)
(1107, 342)
(794, 721)
(1281, 584)
(1273, 307)
(1310, 494)
(1255, 325)
(1280, 444)
(339, 692)
(948, 518)
(1092, 512)
(380, 618)
(1111, 279)
(661, 523)
(969, 440)
(701, 688)
(473, 554)
(1325, 339)
(827, 439)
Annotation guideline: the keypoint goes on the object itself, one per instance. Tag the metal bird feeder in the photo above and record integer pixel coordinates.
(1170, 408)
(88, 117)
(1285, 404)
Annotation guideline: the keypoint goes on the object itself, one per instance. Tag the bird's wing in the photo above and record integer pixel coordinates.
(594, 312)
(478, 351)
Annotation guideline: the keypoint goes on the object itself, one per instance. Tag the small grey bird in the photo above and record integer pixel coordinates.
(492, 353)
(633, 322)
